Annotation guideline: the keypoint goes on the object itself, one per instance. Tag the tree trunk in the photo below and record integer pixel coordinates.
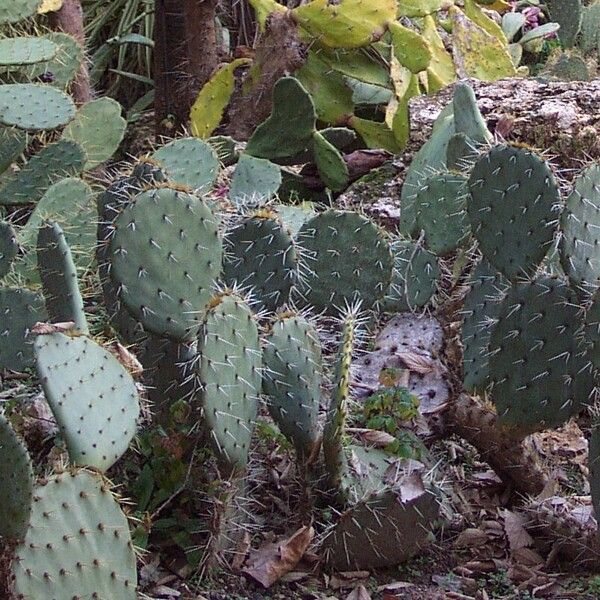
(69, 19)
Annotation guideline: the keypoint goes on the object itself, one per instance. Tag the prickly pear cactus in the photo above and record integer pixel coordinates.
(78, 544)
(415, 277)
(513, 209)
(166, 253)
(17, 10)
(481, 309)
(17, 51)
(254, 181)
(441, 212)
(580, 227)
(8, 247)
(20, 310)
(568, 14)
(230, 374)
(346, 259)
(594, 462)
(13, 142)
(292, 380)
(17, 479)
(260, 256)
(59, 278)
(92, 396)
(537, 366)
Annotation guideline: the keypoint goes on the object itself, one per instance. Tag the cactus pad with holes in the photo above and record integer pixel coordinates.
(229, 372)
(92, 396)
(78, 544)
(347, 259)
(166, 253)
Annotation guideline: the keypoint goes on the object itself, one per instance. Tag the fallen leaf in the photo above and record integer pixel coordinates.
(241, 551)
(516, 534)
(470, 538)
(50, 328)
(359, 593)
(418, 363)
(395, 586)
(127, 358)
(273, 560)
(347, 579)
(379, 439)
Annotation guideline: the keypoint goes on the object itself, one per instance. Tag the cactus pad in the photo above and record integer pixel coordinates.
(59, 278)
(78, 544)
(540, 377)
(292, 380)
(441, 212)
(330, 163)
(229, 372)
(254, 180)
(580, 226)
(20, 310)
(594, 466)
(568, 14)
(61, 159)
(166, 253)
(34, 107)
(514, 198)
(16, 10)
(481, 309)
(415, 277)
(261, 257)
(93, 398)
(189, 161)
(16, 490)
(8, 247)
(98, 128)
(347, 259)
(63, 68)
(25, 50)
(13, 142)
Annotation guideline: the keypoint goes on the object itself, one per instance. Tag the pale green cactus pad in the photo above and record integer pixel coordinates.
(93, 397)
(78, 544)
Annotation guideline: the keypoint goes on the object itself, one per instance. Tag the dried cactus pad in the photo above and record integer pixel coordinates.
(16, 475)
(166, 253)
(229, 371)
(514, 198)
(93, 397)
(20, 310)
(347, 259)
(78, 544)
(539, 375)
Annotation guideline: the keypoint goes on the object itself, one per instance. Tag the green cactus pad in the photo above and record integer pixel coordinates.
(230, 376)
(347, 258)
(568, 14)
(480, 311)
(594, 466)
(61, 159)
(98, 128)
(410, 49)
(78, 544)
(348, 23)
(225, 147)
(384, 529)
(254, 181)
(418, 8)
(290, 127)
(189, 161)
(166, 254)
(59, 278)
(34, 107)
(261, 257)
(467, 117)
(590, 25)
(292, 380)
(93, 398)
(580, 226)
(20, 310)
(536, 366)
(12, 11)
(8, 247)
(592, 329)
(415, 278)
(16, 491)
(295, 216)
(513, 204)
(63, 68)
(330, 163)
(441, 212)
(25, 50)
(12, 144)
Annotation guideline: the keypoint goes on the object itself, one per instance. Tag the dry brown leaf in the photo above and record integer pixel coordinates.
(516, 534)
(50, 328)
(347, 579)
(418, 363)
(395, 586)
(379, 439)
(471, 538)
(273, 560)
(127, 358)
(241, 551)
(359, 593)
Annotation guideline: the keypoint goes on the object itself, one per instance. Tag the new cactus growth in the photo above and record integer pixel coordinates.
(292, 380)
(92, 396)
(16, 492)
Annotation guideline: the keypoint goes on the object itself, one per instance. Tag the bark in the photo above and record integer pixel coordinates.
(69, 19)
(278, 53)
(515, 462)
